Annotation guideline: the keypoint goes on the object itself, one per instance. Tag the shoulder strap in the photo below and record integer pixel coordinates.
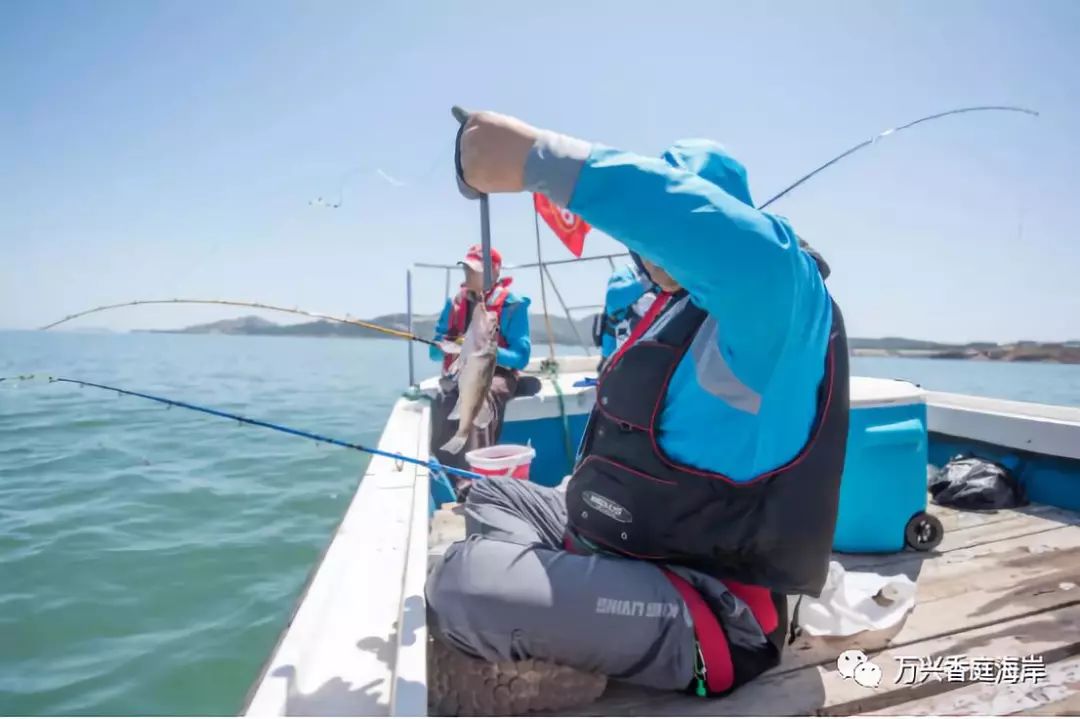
(679, 322)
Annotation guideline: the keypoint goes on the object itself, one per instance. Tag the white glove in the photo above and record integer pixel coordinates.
(450, 348)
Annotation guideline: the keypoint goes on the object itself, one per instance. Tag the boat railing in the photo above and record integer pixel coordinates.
(544, 267)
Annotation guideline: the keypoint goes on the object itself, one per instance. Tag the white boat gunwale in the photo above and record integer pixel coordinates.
(356, 642)
(1037, 428)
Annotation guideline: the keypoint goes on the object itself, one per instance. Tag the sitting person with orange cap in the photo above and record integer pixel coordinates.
(515, 348)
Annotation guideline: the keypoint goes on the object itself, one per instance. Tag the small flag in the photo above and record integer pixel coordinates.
(569, 228)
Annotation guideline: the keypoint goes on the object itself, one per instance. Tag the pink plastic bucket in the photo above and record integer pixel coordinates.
(502, 460)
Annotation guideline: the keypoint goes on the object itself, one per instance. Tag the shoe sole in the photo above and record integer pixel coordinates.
(459, 685)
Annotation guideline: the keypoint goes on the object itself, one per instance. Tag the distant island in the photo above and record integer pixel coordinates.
(423, 326)
(564, 334)
(1022, 351)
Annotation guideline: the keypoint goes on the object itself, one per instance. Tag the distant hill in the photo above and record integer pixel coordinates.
(563, 331)
(239, 326)
(894, 343)
(1022, 351)
(423, 326)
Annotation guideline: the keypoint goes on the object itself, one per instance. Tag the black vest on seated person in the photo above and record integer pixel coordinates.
(628, 497)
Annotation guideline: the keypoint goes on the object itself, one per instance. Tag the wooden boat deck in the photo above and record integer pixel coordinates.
(1001, 585)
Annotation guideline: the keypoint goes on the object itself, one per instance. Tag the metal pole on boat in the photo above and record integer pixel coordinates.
(485, 242)
(408, 310)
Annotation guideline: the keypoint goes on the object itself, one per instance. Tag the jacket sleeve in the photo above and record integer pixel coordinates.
(441, 326)
(515, 330)
(741, 265)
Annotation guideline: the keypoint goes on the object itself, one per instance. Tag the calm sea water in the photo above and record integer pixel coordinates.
(149, 557)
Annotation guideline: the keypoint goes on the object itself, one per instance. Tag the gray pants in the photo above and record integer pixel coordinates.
(510, 592)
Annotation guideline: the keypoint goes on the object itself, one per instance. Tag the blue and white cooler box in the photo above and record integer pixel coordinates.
(883, 488)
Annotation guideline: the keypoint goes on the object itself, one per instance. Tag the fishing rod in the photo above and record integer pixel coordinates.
(256, 305)
(879, 136)
(432, 464)
(873, 140)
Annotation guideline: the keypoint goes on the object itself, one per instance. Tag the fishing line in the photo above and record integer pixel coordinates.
(543, 288)
(873, 140)
(892, 131)
(381, 173)
(432, 464)
(255, 305)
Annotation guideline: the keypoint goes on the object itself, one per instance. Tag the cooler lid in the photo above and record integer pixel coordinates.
(877, 392)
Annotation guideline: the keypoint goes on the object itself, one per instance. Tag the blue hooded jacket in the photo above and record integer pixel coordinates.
(690, 212)
(626, 288)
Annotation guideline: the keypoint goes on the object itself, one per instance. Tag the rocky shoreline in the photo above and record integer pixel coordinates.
(1066, 353)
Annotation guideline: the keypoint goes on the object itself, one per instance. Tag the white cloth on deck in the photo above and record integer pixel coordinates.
(854, 602)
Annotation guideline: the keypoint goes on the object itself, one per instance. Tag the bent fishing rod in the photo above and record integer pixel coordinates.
(432, 465)
(893, 131)
(255, 305)
(461, 116)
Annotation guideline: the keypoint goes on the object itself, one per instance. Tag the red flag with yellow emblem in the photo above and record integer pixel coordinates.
(569, 228)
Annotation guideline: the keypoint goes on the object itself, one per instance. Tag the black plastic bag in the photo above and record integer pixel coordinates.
(967, 482)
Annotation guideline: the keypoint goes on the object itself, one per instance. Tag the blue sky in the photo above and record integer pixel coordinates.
(158, 149)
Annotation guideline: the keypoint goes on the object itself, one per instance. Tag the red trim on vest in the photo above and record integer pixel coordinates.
(646, 321)
(650, 316)
(829, 376)
(719, 670)
(631, 470)
(760, 601)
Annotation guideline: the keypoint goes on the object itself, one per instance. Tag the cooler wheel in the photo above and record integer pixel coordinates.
(923, 532)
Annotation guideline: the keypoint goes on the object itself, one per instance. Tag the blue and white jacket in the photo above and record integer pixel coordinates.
(747, 404)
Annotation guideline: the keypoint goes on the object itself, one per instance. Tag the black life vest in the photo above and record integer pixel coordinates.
(628, 497)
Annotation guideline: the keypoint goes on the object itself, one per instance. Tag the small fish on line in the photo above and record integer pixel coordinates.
(475, 367)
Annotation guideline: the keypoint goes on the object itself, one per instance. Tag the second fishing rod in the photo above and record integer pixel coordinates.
(389, 331)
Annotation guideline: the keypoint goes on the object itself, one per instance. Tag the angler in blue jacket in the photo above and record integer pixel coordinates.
(712, 457)
(515, 347)
(630, 292)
